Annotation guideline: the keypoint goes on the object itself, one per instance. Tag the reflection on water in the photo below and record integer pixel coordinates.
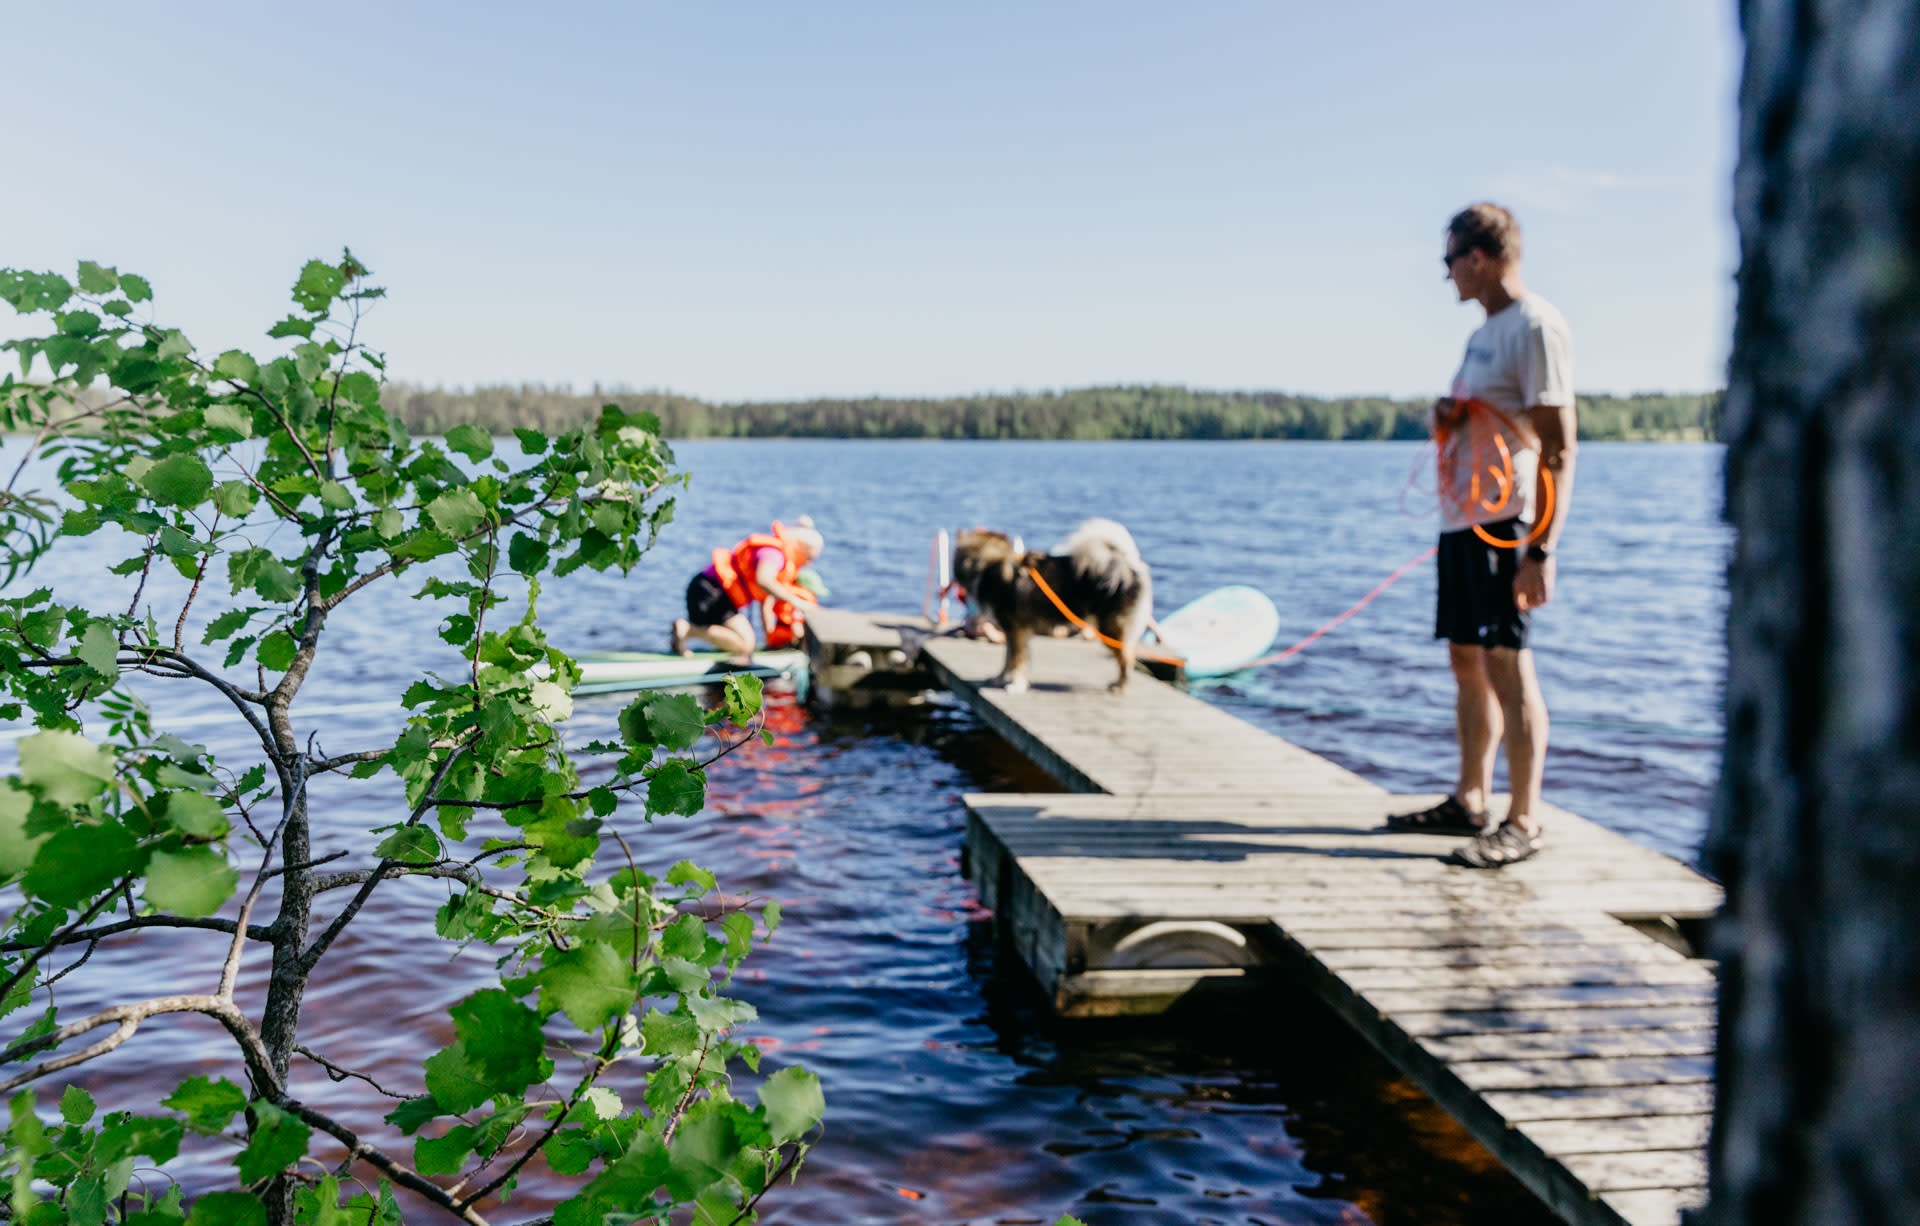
(953, 1096)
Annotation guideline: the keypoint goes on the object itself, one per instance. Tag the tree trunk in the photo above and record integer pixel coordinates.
(1816, 827)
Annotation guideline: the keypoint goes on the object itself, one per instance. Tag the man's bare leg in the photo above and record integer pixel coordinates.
(1477, 723)
(734, 636)
(1525, 712)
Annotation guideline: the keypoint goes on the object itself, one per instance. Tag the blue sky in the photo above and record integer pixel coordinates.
(758, 200)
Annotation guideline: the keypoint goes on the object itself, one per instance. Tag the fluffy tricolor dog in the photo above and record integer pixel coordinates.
(1098, 575)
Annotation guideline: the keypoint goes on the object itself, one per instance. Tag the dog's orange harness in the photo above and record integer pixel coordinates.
(1116, 644)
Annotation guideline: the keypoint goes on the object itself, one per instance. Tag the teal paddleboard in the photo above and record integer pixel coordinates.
(1223, 631)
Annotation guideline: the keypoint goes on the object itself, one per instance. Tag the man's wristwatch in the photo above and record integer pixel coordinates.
(1538, 553)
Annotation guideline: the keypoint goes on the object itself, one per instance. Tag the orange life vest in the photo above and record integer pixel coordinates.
(737, 574)
(789, 623)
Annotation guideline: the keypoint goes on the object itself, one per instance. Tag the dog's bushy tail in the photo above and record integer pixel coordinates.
(1105, 557)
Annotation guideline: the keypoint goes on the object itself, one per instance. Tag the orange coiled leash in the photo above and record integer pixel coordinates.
(1116, 644)
(1502, 475)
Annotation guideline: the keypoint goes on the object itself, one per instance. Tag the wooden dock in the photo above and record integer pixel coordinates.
(1550, 1007)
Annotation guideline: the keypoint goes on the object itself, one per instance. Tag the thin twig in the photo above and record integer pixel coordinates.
(73, 966)
(686, 1100)
(336, 1073)
(322, 765)
(180, 624)
(145, 566)
(316, 862)
(256, 931)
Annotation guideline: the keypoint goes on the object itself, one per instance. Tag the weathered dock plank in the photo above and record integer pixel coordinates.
(1535, 1004)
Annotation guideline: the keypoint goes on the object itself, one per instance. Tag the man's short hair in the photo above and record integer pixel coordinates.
(1486, 227)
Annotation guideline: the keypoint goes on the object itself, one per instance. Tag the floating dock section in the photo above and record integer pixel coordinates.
(1551, 1007)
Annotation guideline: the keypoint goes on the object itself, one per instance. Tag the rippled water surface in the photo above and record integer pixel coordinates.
(953, 1096)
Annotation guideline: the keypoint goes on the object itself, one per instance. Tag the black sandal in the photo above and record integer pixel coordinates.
(1447, 817)
(1499, 848)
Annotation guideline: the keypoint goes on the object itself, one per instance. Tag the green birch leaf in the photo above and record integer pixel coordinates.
(229, 419)
(675, 720)
(126, 1136)
(196, 814)
(453, 1082)
(676, 788)
(388, 523)
(571, 1151)
(444, 1155)
(77, 863)
(76, 1105)
(97, 650)
(742, 697)
(209, 1102)
(456, 512)
(335, 495)
(410, 1116)
(410, 845)
(274, 581)
(135, 288)
(236, 365)
(225, 625)
(17, 847)
(630, 1182)
(739, 929)
(178, 481)
(422, 544)
(279, 1140)
(233, 499)
(65, 767)
(602, 1104)
(716, 1014)
(87, 1200)
(793, 1102)
(193, 881)
(590, 983)
(503, 1040)
(686, 872)
(95, 279)
(318, 284)
(277, 651)
(471, 442)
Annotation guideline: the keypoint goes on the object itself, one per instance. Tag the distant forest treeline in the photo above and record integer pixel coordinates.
(1151, 412)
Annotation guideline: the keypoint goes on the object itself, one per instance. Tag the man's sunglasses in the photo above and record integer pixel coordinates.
(1449, 258)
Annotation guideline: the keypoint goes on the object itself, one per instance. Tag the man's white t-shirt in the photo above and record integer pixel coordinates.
(1522, 356)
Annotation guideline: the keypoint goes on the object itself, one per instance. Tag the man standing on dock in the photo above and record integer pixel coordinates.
(1505, 440)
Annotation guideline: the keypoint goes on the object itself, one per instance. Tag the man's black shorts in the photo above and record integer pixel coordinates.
(707, 602)
(1476, 588)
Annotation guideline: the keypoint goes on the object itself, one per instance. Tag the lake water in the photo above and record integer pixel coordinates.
(953, 1097)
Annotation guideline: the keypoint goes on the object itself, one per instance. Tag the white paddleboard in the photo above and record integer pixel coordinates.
(612, 672)
(1223, 631)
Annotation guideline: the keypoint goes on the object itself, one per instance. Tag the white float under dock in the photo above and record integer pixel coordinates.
(1550, 1007)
